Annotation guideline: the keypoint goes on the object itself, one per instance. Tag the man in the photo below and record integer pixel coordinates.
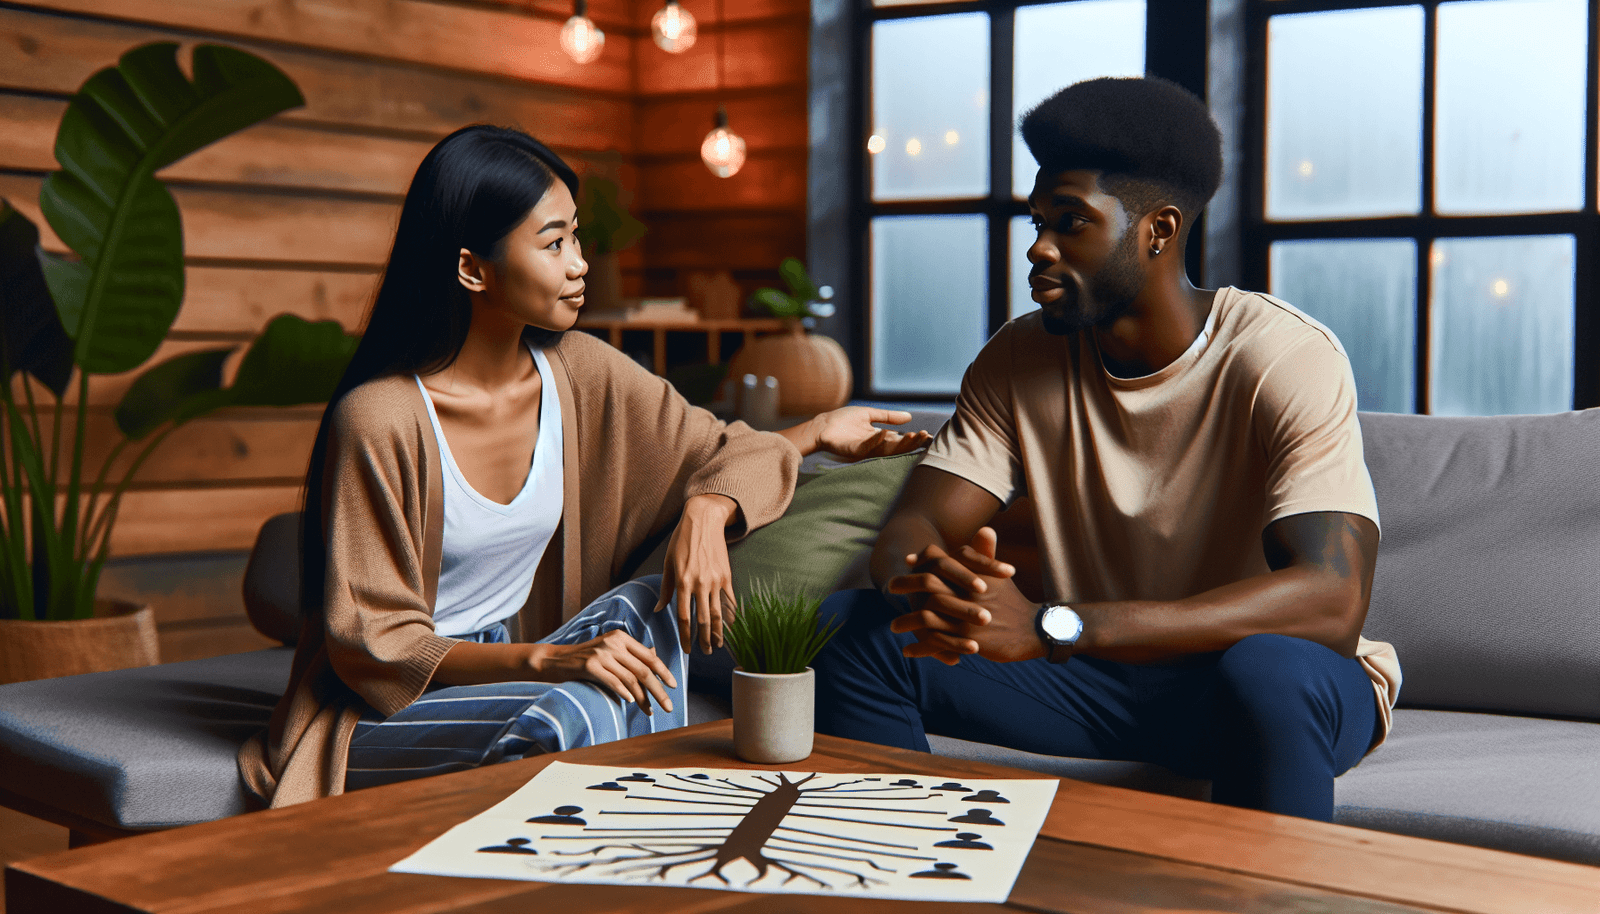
(1206, 524)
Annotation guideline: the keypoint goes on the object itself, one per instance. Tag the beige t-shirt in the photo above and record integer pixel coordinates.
(1158, 487)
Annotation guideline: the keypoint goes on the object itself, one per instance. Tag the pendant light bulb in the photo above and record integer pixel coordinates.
(673, 28)
(581, 39)
(723, 150)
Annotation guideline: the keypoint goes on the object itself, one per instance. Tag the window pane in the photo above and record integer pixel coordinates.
(1502, 315)
(1366, 293)
(1344, 114)
(1511, 110)
(1022, 235)
(930, 107)
(1107, 39)
(929, 301)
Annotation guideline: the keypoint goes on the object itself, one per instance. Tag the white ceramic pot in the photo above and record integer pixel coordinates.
(773, 715)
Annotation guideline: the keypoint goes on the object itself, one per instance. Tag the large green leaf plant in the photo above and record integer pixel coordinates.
(107, 309)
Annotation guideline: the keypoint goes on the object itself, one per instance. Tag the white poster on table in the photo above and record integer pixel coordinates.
(878, 835)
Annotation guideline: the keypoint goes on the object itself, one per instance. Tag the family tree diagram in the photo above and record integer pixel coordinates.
(885, 835)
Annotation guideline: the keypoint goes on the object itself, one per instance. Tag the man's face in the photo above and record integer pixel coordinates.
(1086, 265)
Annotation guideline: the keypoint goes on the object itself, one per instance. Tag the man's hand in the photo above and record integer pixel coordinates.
(848, 433)
(697, 570)
(968, 605)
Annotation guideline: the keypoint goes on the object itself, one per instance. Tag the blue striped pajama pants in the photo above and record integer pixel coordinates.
(458, 727)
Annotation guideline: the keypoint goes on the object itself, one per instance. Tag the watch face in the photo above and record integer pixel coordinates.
(1062, 624)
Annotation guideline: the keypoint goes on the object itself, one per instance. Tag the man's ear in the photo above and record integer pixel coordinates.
(471, 272)
(1165, 224)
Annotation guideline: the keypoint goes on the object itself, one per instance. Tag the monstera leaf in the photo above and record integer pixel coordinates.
(118, 299)
(170, 390)
(31, 336)
(294, 361)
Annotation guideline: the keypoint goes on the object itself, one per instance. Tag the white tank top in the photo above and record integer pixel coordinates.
(490, 550)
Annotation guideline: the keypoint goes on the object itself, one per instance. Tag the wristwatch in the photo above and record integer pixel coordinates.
(1059, 628)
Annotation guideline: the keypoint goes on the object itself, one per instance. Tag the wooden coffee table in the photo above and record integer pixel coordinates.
(1101, 849)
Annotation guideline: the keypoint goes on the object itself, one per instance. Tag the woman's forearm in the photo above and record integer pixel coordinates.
(471, 663)
(806, 437)
(711, 508)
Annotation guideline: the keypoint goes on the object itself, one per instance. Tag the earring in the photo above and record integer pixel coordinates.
(1155, 250)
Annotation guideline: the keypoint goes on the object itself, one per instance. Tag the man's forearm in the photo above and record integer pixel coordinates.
(1302, 602)
(904, 534)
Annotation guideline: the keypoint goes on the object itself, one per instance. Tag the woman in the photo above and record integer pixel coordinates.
(481, 474)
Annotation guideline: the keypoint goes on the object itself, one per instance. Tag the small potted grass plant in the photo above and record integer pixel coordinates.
(773, 639)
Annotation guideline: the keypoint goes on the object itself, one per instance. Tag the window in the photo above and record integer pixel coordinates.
(944, 177)
(1422, 179)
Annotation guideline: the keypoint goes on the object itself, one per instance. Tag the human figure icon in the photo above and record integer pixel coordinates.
(986, 796)
(951, 786)
(978, 817)
(967, 840)
(638, 776)
(941, 871)
(564, 815)
(608, 785)
(512, 846)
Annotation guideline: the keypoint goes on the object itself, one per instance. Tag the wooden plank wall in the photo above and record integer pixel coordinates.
(750, 222)
(297, 214)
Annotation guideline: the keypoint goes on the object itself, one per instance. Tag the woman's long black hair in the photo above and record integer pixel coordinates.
(470, 191)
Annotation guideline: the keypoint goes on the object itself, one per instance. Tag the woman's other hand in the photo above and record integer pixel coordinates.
(615, 660)
(848, 433)
(697, 570)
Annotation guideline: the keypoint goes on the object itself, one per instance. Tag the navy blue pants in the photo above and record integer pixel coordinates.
(1271, 721)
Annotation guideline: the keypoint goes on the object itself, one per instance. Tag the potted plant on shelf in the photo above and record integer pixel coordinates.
(773, 638)
(812, 370)
(604, 227)
(105, 311)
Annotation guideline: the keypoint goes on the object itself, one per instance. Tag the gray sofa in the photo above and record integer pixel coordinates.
(1488, 584)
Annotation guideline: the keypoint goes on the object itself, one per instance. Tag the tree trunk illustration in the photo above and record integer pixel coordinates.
(753, 832)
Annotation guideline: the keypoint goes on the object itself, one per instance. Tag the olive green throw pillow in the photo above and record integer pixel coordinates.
(824, 541)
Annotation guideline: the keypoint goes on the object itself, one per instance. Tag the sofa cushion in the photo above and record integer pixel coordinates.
(1511, 783)
(144, 748)
(1488, 577)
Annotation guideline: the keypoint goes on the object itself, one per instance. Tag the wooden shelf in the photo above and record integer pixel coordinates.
(712, 328)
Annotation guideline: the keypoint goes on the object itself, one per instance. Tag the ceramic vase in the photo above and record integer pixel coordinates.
(773, 715)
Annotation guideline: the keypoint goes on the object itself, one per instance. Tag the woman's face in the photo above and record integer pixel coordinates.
(538, 279)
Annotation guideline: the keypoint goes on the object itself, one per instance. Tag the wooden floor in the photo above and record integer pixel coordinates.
(23, 836)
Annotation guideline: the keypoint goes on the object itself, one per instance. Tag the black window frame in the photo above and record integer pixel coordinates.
(1259, 233)
(1175, 48)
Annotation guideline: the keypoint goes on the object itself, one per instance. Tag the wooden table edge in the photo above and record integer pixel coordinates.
(1081, 813)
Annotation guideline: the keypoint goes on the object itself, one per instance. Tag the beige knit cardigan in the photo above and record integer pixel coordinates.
(634, 452)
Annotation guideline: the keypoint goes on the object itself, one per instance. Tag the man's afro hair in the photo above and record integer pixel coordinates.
(1138, 129)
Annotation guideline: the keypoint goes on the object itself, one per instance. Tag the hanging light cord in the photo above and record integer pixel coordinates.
(721, 26)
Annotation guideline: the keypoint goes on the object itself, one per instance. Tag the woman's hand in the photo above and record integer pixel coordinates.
(697, 570)
(615, 660)
(848, 433)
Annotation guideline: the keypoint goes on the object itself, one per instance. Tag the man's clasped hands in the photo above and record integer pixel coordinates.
(966, 603)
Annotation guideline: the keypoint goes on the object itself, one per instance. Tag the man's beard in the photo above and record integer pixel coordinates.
(1114, 288)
